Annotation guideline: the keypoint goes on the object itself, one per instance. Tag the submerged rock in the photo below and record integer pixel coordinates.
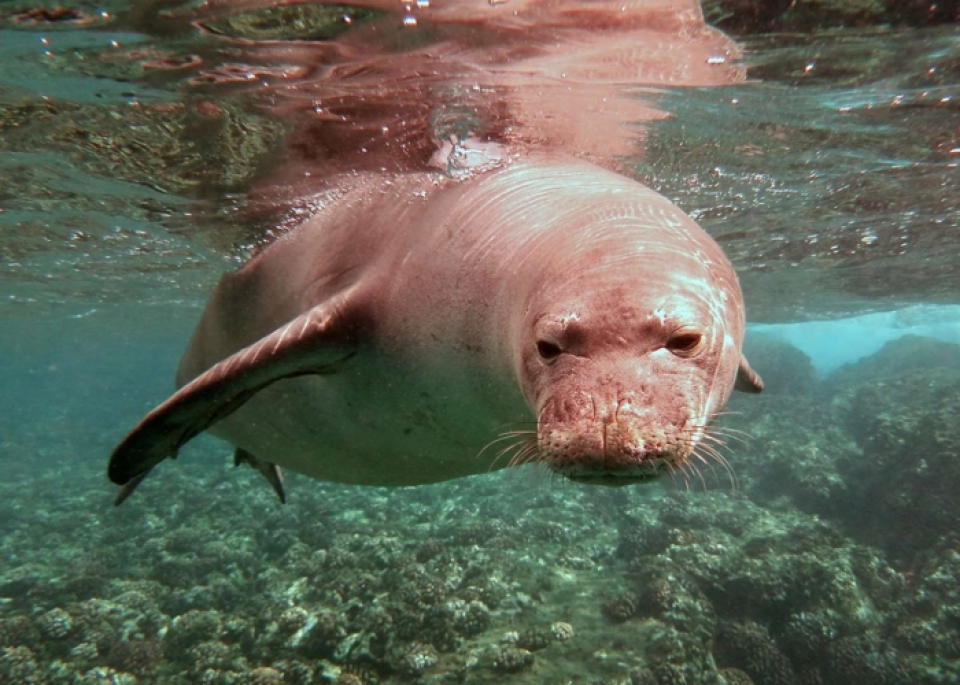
(901, 406)
(785, 369)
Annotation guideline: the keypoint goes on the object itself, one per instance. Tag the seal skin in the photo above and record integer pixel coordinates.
(550, 311)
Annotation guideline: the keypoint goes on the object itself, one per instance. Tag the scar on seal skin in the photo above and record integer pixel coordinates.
(503, 302)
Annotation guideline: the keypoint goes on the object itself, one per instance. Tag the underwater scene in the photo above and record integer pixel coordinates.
(810, 535)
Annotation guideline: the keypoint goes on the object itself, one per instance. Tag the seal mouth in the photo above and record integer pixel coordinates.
(613, 480)
(618, 476)
(614, 438)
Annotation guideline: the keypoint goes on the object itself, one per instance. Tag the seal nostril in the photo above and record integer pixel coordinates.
(548, 351)
(684, 344)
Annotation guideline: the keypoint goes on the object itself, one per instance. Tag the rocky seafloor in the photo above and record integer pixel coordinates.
(834, 559)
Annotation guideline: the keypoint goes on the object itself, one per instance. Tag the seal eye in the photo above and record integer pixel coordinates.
(548, 351)
(684, 344)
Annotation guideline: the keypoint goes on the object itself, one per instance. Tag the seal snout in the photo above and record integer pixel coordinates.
(614, 442)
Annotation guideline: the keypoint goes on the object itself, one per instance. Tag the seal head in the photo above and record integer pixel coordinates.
(631, 346)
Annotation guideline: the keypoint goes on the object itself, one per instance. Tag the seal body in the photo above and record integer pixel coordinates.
(417, 326)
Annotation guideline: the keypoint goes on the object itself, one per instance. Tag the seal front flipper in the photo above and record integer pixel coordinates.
(316, 342)
(748, 380)
(272, 472)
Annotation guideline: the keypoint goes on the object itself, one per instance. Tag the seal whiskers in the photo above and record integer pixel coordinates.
(521, 443)
(673, 470)
(688, 464)
(706, 452)
(528, 454)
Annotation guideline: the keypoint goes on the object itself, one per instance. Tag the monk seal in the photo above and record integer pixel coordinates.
(568, 311)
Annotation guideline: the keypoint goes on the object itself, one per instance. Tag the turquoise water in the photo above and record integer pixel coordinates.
(829, 556)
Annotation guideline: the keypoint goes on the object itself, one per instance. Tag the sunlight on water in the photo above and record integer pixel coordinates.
(832, 343)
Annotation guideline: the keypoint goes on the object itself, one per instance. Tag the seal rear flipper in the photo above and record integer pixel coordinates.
(127, 489)
(748, 380)
(272, 472)
(314, 343)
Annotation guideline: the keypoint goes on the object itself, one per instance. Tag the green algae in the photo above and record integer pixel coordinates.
(291, 22)
(762, 16)
(172, 147)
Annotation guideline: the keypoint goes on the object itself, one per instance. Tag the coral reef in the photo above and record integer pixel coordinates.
(750, 648)
(901, 407)
(808, 574)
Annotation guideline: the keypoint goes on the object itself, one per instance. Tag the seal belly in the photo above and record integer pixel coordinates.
(375, 424)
